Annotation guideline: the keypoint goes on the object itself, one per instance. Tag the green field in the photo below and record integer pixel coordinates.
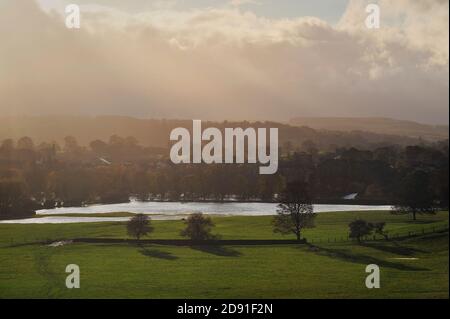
(414, 267)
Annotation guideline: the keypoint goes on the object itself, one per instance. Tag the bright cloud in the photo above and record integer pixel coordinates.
(226, 62)
(243, 2)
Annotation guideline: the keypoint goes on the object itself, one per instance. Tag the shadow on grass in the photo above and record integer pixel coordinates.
(395, 249)
(156, 253)
(420, 222)
(346, 255)
(217, 250)
(25, 244)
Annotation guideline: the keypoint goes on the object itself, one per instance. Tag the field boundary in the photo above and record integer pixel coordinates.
(187, 242)
(262, 242)
(388, 236)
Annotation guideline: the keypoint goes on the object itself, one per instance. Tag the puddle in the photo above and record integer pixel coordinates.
(60, 243)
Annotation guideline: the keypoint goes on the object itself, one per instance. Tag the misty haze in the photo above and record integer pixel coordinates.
(252, 150)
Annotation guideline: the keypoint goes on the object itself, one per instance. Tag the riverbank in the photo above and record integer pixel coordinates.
(170, 211)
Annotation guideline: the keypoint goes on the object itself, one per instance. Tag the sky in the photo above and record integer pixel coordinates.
(231, 59)
(329, 10)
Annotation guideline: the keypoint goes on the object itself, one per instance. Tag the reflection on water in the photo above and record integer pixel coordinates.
(175, 210)
(69, 220)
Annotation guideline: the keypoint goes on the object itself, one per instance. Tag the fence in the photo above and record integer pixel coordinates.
(312, 240)
(389, 235)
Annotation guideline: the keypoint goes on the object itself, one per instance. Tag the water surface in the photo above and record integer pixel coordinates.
(174, 210)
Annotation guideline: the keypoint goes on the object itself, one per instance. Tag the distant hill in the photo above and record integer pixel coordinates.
(155, 132)
(375, 125)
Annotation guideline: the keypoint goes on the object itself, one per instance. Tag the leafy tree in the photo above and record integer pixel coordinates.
(198, 227)
(14, 199)
(415, 196)
(71, 144)
(99, 147)
(138, 226)
(71, 186)
(310, 147)
(6, 149)
(295, 210)
(25, 143)
(360, 228)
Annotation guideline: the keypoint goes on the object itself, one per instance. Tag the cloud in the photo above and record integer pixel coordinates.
(238, 3)
(419, 25)
(225, 63)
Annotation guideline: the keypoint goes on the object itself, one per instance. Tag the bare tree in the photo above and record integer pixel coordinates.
(295, 210)
(379, 229)
(416, 195)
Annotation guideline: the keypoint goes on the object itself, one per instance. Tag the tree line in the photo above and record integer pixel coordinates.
(50, 175)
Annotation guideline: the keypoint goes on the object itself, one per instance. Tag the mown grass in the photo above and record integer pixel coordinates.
(328, 226)
(328, 270)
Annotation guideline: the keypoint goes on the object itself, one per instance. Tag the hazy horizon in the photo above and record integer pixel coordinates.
(221, 120)
(235, 60)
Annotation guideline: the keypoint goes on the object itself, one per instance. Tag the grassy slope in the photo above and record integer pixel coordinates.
(334, 270)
